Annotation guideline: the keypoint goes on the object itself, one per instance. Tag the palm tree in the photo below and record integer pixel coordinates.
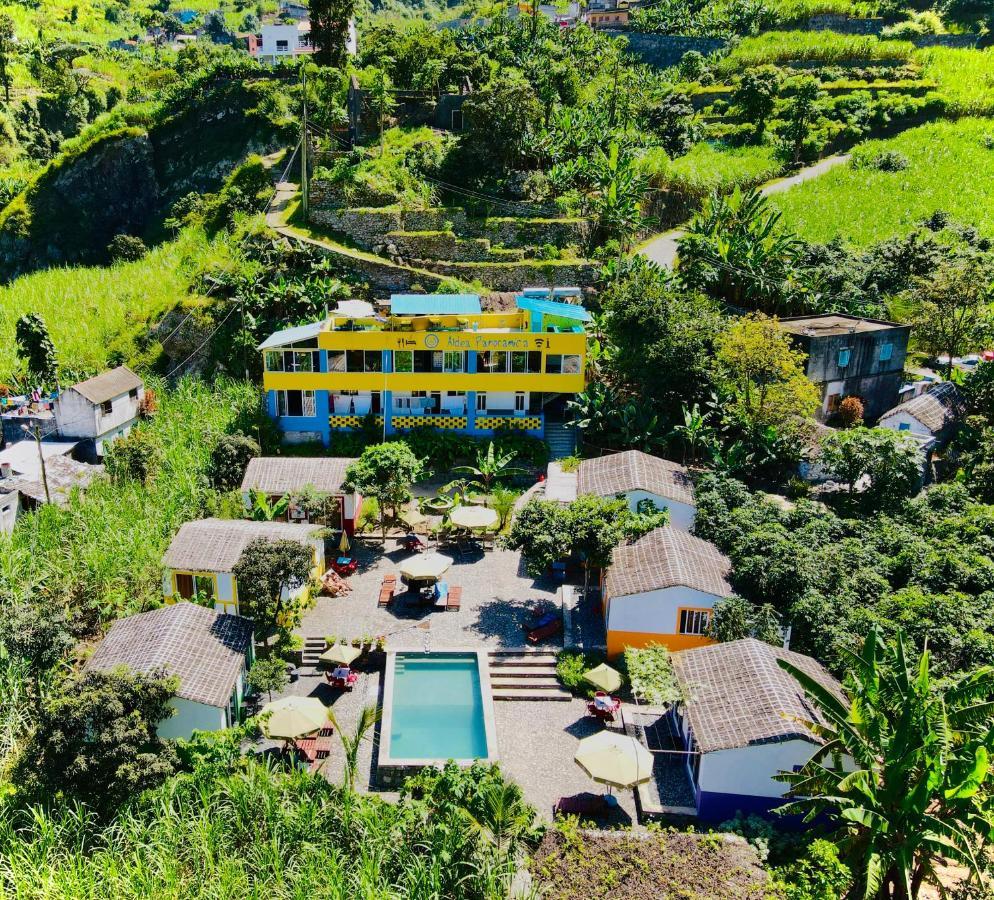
(915, 786)
(489, 468)
(352, 743)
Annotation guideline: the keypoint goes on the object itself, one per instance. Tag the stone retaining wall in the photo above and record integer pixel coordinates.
(516, 276)
(665, 50)
(513, 232)
(955, 41)
(842, 24)
(436, 245)
(367, 227)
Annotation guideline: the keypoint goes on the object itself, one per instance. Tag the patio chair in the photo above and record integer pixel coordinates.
(605, 714)
(344, 684)
(585, 804)
(412, 543)
(537, 635)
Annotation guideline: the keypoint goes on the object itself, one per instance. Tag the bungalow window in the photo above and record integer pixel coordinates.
(886, 351)
(195, 587)
(133, 393)
(694, 621)
(556, 364)
(295, 403)
(106, 407)
(364, 360)
(282, 46)
(185, 586)
(844, 354)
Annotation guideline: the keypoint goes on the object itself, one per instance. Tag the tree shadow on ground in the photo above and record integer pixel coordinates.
(505, 620)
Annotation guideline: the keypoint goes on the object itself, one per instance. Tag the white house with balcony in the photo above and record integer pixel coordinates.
(278, 42)
(100, 409)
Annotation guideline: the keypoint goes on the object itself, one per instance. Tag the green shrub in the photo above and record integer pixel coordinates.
(570, 463)
(570, 666)
(651, 674)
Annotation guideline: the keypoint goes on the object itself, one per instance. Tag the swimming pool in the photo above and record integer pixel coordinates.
(437, 707)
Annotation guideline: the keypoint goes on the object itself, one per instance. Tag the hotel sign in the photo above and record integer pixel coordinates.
(479, 342)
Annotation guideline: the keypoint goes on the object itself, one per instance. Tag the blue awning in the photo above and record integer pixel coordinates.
(552, 308)
(434, 304)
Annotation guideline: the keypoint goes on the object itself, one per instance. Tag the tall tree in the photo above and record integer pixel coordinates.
(330, 31)
(917, 788)
(267, 573)
(385, 472)
(6, 52)
(35, 346)
(96, 741)
(890, 460)
(953, 313)
(764, 376)
(756, 97)
(801, 113)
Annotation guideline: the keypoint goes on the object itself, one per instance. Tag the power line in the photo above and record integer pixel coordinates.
(204, 343)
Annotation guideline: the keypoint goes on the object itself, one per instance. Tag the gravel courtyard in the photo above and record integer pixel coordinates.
(497, 597)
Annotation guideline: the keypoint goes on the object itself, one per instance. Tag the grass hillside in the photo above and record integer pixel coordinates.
(95, 314)
(947, 166)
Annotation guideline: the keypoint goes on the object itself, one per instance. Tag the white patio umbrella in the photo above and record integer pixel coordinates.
(425, 567)
(293, 717)
(341, 653)
(473, 517)
(614, 759)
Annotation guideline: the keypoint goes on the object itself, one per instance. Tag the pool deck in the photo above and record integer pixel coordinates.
(535, 740)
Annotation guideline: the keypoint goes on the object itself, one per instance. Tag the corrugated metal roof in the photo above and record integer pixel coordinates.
(434, 304)
(552, 308)
(292, 335)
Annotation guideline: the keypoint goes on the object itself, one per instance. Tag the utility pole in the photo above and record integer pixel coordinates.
(304, 187)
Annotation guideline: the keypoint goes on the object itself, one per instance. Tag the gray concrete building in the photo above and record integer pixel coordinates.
(849, 356)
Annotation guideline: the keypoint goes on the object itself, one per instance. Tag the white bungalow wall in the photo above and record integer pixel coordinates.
(900, 418)
(191, 716)
(749, 771)
(655, 612)
(681, 514)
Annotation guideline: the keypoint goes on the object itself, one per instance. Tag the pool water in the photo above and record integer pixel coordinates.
(437, 707)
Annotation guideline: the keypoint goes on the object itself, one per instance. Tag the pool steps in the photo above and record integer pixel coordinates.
(525, 675)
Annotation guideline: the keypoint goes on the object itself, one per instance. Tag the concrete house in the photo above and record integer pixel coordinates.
(932, 414)
(209, 652)
(277, 476)
(278, 42)
(661, 589)
(100, 409)
(199, 562)
(739, 724)
(24, 485)
(851, 357)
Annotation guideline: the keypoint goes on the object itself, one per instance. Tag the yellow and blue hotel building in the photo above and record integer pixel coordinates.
(435, 359)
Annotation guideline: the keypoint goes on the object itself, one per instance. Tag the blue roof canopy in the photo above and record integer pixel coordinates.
(434, 304)
(552, 308)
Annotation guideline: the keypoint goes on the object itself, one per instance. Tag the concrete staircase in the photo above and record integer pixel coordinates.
(313, 648)
(561, 440)
(525, 675)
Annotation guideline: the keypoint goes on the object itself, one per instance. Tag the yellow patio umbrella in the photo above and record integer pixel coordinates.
(614, 759)
(341, 653)
(425, 567)
(343, 545)
(473, 517)
(293, 717)
(412, 518)
(604, 677)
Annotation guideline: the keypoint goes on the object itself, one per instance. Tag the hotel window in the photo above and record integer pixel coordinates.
(556, 364)
(364, 360)
(844, 354)
(519, 401)
(494, 362)
(886, 351)
(454, 361)
(526, 363)
(481, 401)
(336, 360)
(295, 403)
(694, 621)
(403, 361)
(292, 361)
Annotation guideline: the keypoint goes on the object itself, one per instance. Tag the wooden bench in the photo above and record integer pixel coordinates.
(454, 599)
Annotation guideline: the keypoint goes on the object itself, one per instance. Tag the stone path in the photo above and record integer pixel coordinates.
(662, 249)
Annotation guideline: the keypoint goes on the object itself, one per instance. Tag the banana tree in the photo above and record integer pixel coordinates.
(489, 469)
(903, 769)
(264, 511)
